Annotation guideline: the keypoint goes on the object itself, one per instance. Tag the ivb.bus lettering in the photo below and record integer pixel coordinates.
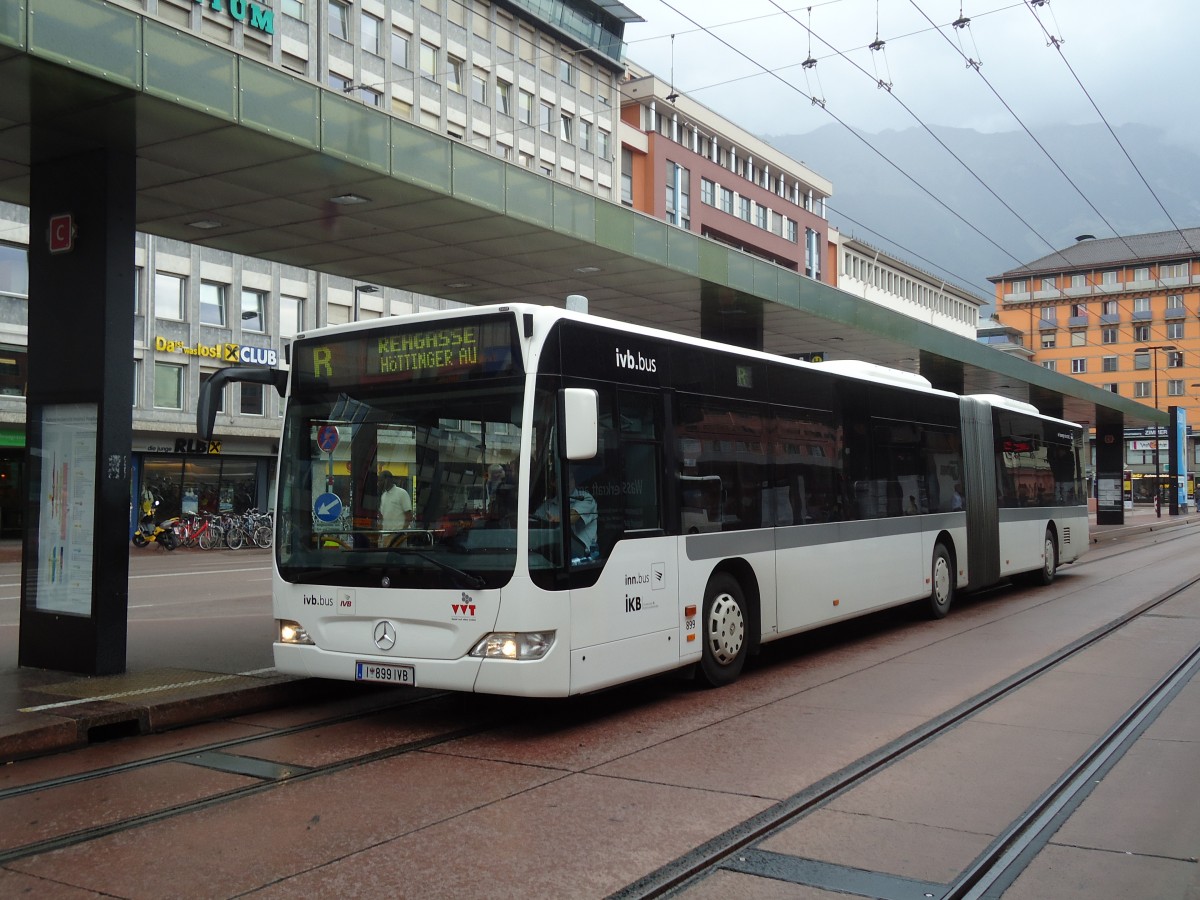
(627, 359)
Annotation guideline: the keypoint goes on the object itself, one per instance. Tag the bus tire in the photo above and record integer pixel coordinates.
(725, 631)
(1044, 576)
(941, 591)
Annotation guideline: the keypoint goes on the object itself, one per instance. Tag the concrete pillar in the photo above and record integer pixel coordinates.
(75, 583)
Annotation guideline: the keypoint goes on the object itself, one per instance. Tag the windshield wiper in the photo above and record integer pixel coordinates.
(473, 581)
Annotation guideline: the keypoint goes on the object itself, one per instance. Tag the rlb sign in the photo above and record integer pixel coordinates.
(252, 15)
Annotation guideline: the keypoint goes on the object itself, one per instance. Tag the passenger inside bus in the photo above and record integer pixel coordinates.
(583, 516)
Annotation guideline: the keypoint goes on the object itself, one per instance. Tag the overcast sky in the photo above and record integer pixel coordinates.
(1136, 58)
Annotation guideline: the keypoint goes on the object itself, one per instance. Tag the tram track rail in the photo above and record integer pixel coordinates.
(999, 865)
(269, 776)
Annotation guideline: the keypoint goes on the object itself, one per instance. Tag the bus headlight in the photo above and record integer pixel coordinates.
(514, 645)
(292, 632)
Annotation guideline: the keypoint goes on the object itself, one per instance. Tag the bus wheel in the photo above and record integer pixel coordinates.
(941, 593)
(725, 637)
(1045, 575)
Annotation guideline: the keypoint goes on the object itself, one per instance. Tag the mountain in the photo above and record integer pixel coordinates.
(964, 232)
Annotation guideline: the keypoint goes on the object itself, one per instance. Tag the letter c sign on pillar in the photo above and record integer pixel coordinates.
(62, 233)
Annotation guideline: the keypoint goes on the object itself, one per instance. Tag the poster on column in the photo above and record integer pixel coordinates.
(68, 503)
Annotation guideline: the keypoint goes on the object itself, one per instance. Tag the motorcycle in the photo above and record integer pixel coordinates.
(150, 532)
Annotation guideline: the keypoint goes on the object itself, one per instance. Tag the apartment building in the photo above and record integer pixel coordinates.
(685, 164)
(885, 279)
(1120, 313)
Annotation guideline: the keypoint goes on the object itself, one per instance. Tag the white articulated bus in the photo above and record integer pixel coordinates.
(716, 498)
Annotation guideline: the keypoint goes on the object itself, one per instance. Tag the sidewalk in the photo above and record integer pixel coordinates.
(43, 711)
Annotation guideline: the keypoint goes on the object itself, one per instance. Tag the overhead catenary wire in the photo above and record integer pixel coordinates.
(1054, 250)
(936, 199)
(1057, 44)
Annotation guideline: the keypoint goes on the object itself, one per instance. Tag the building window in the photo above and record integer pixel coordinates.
(400, 48)
(525, 107)
(1019, 287)
(1173, 270)
(1142, 273)
(371, 28)
(204, 376)
(339, 20)
(503, 97)
(429, 61)
(1174, 359)
(744, 208)
(1048, 284)
(546, 117)
(1051, 365)
(1174, 301)
(1078, 338)
(1111, 387)
(168, 386)
(254, 305)
(1175, 331)
(1048, 341)
(1048, 313)
(1141, 304)
(454, 74)
(293, 8)
(708, 192)
(212, 303)
(727, 200)
(602, 143)
(585, 135)
(760, 216)
(1141, 389)
(1078, 281)
(252, 399)
(1109, 277)
(566, 71)
(1110, 308)
(1174, 387)
(1141, 360)
(627, 176)
(1109, 364)
(1078, 309)
(291, 316)
(168, 296)
(789, 229)
(1141, 333)
(479, 85)
(1078, 366)
(566, 128)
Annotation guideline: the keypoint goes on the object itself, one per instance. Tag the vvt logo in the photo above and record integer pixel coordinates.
(627, 359)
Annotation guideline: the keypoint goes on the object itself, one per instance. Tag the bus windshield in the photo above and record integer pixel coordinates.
(406, 481)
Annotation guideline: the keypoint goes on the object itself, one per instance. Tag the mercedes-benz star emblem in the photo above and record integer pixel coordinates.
(385, 635)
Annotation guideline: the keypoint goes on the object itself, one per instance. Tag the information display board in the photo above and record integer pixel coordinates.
(451, 350)
(67, 512)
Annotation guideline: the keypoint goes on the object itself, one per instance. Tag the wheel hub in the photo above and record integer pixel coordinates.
(726, 629)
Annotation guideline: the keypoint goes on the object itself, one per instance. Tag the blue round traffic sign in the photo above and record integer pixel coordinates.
(327, 437)
(327, 507)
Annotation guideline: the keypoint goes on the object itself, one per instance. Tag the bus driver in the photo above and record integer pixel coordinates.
(584, 514)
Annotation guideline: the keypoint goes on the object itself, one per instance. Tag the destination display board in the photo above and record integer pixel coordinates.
(448, 351)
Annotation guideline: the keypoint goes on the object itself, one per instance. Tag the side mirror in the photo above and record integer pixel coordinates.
(581, 429)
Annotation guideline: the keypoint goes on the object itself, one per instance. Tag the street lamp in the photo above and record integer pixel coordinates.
(1166, 348)
(371, 289)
